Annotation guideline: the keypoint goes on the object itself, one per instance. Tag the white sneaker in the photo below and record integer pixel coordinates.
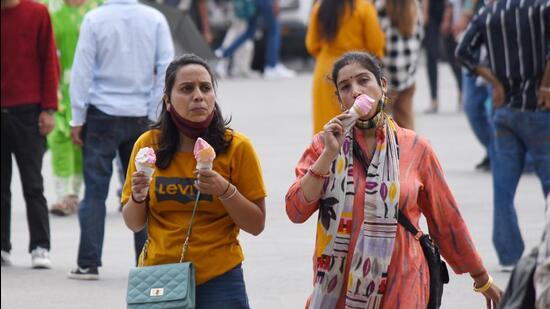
(40, 258)
(221, 68)
(278, 72)
(6, 261)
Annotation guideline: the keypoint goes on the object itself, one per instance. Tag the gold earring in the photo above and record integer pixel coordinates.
(385, 99)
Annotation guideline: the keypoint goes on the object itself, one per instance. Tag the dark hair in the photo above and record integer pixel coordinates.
(366, 60)
(169, 139)
(403, 16)
(329, 16)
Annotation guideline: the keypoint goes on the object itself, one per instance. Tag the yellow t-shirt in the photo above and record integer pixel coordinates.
(213, 247)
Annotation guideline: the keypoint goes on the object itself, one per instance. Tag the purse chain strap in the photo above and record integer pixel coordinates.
(190, 229)
(185, 243)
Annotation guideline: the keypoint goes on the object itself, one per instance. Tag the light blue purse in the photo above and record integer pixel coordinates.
(163, 286)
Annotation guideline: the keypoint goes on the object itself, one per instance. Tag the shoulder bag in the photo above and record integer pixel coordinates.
(439, 274)
(163, 286)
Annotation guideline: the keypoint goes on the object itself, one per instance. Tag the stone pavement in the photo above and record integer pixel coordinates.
(278, 268)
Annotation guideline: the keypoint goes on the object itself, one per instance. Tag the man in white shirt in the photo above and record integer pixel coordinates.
(117, 81)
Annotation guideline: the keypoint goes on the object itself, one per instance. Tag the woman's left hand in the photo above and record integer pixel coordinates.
(210, 182)
(493, 296)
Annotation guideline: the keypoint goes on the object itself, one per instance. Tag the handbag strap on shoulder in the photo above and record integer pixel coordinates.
(190, 229)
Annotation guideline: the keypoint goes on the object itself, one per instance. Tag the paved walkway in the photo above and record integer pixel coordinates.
(278, 268)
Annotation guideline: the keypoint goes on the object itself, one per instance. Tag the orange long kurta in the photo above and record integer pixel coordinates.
(423, 190)
(358, 31)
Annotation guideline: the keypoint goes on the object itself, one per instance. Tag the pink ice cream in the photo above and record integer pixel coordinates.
(204, 154)
(145, 161)
(146, 157)
(360, 108)
(362, 105)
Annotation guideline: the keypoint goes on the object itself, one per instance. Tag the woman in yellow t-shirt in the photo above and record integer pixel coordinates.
(232, 193)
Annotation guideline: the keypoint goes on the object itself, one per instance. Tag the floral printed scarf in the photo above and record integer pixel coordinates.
(374, 248)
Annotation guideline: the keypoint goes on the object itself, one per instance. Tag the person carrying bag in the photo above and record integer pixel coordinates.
(364, 257)
(159, 195)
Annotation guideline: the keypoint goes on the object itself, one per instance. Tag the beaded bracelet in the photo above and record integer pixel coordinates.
(485, 287)
(317, 175)
(222, 198)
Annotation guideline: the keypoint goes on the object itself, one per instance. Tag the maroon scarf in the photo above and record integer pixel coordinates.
(190, 128)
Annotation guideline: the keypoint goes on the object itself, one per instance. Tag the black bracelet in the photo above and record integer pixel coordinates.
(136, 201)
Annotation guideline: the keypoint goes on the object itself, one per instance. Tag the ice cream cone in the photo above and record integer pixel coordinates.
(201, 165)
(204, 154)
(145, 162)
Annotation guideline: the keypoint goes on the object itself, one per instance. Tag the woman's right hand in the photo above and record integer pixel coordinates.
(333, 134)
(140, 185)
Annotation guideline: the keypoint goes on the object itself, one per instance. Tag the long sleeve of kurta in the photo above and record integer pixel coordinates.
(445, 223)
(423, 190)
(297, 208)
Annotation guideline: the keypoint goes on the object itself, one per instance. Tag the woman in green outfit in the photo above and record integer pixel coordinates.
(66, 156)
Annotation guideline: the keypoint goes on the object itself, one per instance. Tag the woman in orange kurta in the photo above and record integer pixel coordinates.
(420, 187)
(336, 27)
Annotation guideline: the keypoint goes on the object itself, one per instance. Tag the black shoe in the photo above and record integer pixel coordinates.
(89, 273)
(484, 165)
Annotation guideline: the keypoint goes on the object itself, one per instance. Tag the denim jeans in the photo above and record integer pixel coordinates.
(264, 9)
(103, 136)
(224, 292)
(474, 98)
(21, 138)
(516, 133)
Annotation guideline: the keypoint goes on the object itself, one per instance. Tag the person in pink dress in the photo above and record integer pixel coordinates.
(363, 258)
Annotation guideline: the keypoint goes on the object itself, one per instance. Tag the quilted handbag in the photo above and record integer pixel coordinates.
(163, 286)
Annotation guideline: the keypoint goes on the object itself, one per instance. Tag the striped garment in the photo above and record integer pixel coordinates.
(517, 36)
(401, 53)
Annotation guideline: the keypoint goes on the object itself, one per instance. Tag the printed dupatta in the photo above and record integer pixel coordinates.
(374, 247)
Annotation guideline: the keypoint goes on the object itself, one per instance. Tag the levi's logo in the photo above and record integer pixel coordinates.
(178, 189)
